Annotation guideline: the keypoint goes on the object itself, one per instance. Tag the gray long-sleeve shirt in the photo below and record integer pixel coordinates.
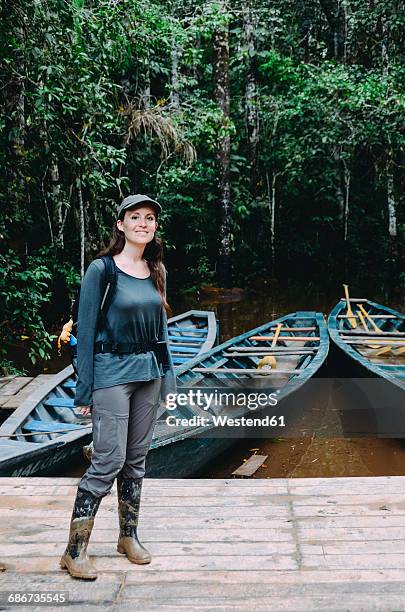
(136, 314)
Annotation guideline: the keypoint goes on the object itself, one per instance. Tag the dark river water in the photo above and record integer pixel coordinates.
(305, 456)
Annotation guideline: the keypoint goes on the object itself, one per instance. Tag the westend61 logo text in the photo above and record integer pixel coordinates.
(205, 400)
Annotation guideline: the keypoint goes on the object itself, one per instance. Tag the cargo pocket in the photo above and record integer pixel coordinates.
(105, 433)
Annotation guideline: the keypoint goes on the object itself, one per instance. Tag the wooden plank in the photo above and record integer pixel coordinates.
(333, 562)
(261, 350)
(15, 400)
(184, 589)
(17, 383)
(163, 549)
(363, 332)
(367, 341)
(183, 563)
(286, 338)
(278, 511)
(266, 353)
(295, 329)
(275, 349)
(371, 316)
(250, 466)
(154, 491)
(260, 372)
(372, 339)
(393, 576)
(6, 379)
(108, 533)
(321, 603)
(155, 502)
(343, 299)
(169, 527)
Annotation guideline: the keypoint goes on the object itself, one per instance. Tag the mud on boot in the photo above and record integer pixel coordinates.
(75, 559)
(129, 498)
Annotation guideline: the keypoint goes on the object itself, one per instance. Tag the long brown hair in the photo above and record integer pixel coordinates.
(153, 254)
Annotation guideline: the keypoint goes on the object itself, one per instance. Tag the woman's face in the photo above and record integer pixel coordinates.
(139, 225)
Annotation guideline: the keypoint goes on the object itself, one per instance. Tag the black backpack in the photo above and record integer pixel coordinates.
(110, 284)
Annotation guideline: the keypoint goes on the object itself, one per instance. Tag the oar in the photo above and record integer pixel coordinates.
(369, 319)
(270, 360)
(399, 351)
(350, 316)
(381, 349)
(364, 324)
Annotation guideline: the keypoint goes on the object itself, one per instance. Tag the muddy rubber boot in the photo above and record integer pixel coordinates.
(129, 498)
(75, 559)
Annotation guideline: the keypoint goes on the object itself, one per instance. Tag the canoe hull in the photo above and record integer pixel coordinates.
(45, 461)
(372, 397)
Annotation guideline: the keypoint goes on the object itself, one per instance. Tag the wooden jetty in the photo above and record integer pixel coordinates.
(299, 544)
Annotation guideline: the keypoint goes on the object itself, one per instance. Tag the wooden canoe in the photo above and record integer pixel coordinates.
(361, 345)
(50, 409)
(177, 452)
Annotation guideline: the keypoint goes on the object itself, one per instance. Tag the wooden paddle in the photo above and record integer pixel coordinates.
(381, 349)
(369, 319)
(270, 360)
(364, 324)
(350, 316)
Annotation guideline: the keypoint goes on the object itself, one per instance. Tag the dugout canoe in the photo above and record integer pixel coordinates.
(361, 345)
(26, 450)
(190, 334)
(300, 351)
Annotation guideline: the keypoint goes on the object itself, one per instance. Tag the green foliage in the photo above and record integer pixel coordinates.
(24, 293)
(102, 99)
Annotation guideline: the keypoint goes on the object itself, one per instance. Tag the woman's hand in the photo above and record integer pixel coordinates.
(84, 410)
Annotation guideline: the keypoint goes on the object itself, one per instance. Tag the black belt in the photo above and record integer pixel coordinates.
(125, 347)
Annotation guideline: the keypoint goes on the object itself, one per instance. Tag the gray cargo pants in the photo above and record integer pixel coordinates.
(123, 418)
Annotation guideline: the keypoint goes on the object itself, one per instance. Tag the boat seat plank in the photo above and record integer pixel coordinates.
(184, 349)
(69, 384)
(366, 341)
(286, 338)
(376, 316)
(245, 371)
(60, 402)
(199, 330)
(186, 339)
(266, 353)
(42, 426)
(363, 332)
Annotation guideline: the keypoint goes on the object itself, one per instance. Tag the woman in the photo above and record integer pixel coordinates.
(120, 378)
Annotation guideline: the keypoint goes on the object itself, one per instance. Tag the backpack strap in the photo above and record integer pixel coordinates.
(110, 276)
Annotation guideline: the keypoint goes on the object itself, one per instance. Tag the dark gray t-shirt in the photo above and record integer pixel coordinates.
(136, 314)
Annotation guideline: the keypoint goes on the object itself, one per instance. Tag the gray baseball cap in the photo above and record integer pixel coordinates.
(138, 198)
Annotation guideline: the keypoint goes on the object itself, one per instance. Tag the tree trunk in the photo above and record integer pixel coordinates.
(57, 202)
(391, 273)
(252, 114)
(346, 180)
(384, 43)
(174, 90)
(332, 9)
(271, 190)
(221, 85)
(81, 223)
(392, 205)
